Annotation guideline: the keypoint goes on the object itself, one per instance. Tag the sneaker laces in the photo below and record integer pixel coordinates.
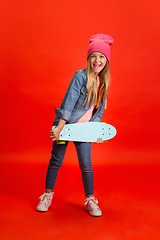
(92, 200)
(45, 197)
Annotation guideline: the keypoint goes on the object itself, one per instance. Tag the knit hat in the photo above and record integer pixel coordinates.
(100, 43)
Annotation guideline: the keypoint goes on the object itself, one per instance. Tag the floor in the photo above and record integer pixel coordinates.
(128, 196)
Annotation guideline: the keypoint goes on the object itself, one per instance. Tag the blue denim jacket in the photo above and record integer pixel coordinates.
(73, 107)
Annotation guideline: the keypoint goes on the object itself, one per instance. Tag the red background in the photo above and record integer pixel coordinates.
(43, 43)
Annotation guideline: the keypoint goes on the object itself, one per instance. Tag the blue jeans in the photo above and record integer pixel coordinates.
(84, 158)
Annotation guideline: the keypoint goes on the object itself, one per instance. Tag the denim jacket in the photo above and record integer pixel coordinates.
(73, 105)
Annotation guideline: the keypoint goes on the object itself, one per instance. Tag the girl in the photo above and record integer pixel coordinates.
(84, 101)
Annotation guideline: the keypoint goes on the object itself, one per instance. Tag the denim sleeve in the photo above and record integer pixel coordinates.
(98, 115)
(71, 97)
(97, 119)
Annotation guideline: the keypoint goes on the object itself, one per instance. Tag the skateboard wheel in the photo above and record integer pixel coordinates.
(61, 142)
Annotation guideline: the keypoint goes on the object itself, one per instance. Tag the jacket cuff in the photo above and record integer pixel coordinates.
(61, 113)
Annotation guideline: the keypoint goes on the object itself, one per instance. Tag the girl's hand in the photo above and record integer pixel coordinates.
(99, 140)
(54, 134)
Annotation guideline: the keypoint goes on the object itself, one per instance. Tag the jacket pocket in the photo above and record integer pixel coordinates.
(82, 97)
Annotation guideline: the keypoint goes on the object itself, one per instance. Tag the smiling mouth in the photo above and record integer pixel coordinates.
(97, 66)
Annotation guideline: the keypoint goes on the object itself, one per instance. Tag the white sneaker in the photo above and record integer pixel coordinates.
(92, 207)
(45, 203)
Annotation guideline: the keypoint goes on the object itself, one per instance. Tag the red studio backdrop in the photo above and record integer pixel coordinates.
(43, 43)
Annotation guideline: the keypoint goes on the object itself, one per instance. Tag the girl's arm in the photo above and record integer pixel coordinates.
(71, 97)
(54, 134)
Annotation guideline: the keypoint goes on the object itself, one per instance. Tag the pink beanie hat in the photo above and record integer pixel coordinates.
(100, 43)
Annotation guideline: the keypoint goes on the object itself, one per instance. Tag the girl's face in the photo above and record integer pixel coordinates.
(98, 62)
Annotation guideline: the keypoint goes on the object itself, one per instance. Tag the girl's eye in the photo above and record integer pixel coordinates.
(102, 56)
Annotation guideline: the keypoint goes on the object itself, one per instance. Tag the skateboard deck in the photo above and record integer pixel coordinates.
(87, 132)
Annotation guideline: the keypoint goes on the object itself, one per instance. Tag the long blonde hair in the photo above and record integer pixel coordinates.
(92, 84)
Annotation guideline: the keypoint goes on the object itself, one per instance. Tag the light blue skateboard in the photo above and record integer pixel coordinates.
(87, 132)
